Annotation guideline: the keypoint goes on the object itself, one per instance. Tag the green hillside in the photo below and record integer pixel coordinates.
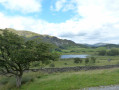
(45, 38)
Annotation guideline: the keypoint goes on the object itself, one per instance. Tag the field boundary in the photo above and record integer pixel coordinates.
(78, 68)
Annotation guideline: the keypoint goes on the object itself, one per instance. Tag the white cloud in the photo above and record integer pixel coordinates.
(97, 16)
(99, 22)
(64, 5)
(25, 6)
(59, 4)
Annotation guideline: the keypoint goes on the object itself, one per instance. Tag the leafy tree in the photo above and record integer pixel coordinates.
(77, 60)
(86, 60)
(16, 55)
(93, 59)
(52, 65)
(102, 52)
(113, 52)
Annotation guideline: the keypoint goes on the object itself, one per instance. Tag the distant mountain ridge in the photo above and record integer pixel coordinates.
(96, 45)
(54, 40)
(108, 45)
(112, 45)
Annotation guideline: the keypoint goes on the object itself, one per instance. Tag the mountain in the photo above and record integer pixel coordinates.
(112, 45)
(45, 38)
(100, 44)
(62, 43)
(96, 45)
(107, 45)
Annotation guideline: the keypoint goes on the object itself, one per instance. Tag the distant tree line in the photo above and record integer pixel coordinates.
(111, 52)
(91, 60)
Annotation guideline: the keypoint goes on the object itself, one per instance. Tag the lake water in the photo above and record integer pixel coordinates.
(73, 56)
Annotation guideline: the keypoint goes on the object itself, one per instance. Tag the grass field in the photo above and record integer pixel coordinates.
(79, 50)
(100, 61)
(74, 80)
(68, 80)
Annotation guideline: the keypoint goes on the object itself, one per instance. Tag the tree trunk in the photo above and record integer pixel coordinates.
(18, 81)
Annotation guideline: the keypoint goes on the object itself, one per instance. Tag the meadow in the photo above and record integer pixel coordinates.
(81, 50)
(100, 61)
(63, 81)
(68, 80)
(93, 52)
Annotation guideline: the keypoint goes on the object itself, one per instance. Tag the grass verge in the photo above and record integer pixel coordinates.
(74, 80)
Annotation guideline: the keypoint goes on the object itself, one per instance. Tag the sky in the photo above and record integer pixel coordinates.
(82, 21)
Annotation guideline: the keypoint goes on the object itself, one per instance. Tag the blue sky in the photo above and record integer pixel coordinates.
(54, 16)
(46, 13)
(82, 21)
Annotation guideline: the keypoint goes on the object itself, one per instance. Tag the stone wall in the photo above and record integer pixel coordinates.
(78, 68)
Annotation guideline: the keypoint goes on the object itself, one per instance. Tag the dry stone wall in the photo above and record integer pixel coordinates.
(78, 68)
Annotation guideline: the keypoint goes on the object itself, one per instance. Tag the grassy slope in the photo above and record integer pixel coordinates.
(45, 38)
(79, 50)
(74, 80)
(100, 61)
(23, 33)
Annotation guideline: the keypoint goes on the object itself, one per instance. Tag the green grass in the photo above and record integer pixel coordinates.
(64, 81)
(100, 61)
(74, 80)
(79, 50)
(9, 83)
(68, 80)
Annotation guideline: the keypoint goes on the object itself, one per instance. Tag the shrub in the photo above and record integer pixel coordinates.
(93, 59)
(52, 65)
(80, 60)
(4, 81)
(27, 79)
(35, 64)
(117, 63)
(77, 60)
(65, 64)
(39, 76)
(86, 60)
(102, 52)
(10, 84)
(72, 51)
(98, 61)
(113, 52)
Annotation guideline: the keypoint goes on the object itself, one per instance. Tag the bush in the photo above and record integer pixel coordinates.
(98, 61)
(86, 60)
(39, 76)
(77, 60)
(102, 52)
(117, 63)
(52, 65)
(35, 64)
(72, 51)
(27, 79)
(65, 64)
(4, 81)
(93, 59)
(10, 85)
(113, 52)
